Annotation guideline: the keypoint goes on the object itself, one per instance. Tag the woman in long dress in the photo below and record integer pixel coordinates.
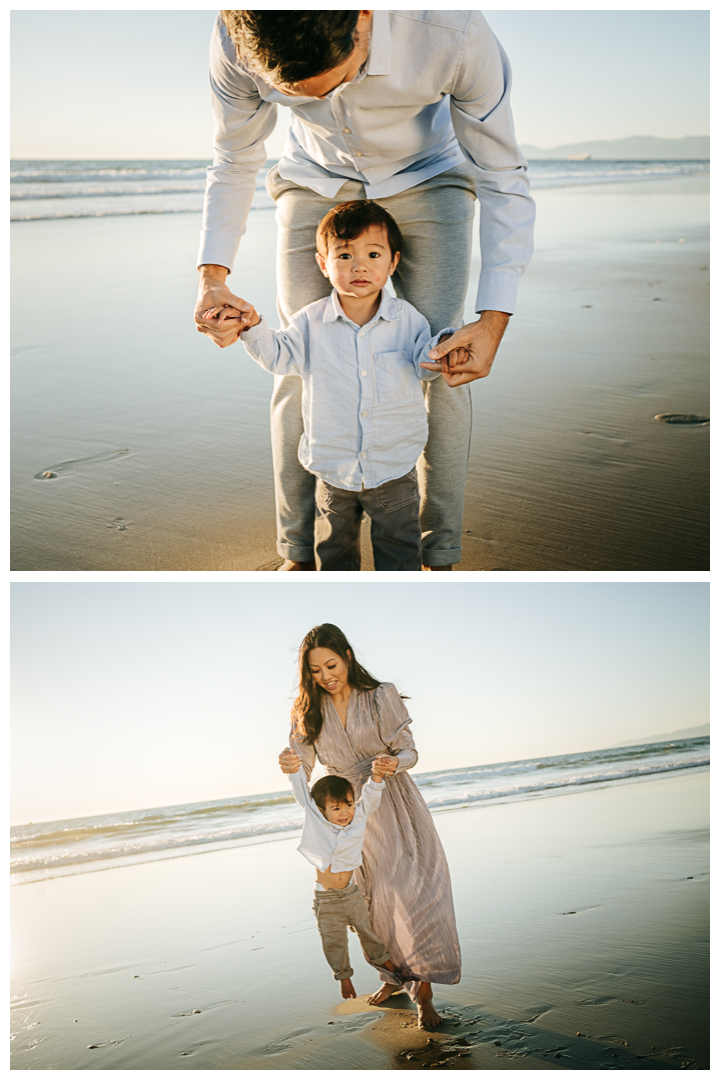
(345, 719)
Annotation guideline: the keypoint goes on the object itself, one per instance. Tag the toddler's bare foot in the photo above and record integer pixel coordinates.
(437, 567)
(347, 989)
(427, 1017)
(289, 564)
(382, 994)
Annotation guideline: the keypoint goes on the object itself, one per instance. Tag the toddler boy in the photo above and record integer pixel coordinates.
(332, 839)
(362, 355)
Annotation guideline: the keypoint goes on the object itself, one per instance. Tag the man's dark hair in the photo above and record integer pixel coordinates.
(287, 47)
(332, 787)
(349, 219)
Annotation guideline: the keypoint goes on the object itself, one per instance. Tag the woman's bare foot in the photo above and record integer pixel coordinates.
(347, 989)
(289, 564)
(427, 1017)
(437, 567)
(382, 994)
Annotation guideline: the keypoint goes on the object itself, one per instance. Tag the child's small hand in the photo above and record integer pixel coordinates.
(447, 364)
(247, 316)
(382, 766)
(289, 761)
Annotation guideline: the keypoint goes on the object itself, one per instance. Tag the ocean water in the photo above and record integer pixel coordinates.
(78, 845)
(76, 189)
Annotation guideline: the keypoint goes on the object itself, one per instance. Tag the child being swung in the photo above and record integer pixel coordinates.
(362, 355)
(333, 832)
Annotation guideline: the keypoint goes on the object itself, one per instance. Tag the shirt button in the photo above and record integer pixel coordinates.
(363, 454)
(364, 413)
(347, 131)
(361, 334)
(363, 372)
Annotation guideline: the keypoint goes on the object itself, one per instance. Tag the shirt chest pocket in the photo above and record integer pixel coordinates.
(395, 377)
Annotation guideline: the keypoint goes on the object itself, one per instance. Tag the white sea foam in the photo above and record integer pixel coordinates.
(41, 190)
(52, 848)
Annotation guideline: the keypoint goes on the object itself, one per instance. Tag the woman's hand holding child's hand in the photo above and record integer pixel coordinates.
(384, 765)
(289, 761)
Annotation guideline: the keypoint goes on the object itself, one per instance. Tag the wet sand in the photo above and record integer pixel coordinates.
(157, 444)
(583, 922)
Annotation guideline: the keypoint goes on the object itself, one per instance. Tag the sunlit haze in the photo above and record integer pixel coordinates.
(136, 695)
(134, 84)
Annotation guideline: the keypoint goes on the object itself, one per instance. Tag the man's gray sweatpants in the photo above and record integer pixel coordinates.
(435, 219)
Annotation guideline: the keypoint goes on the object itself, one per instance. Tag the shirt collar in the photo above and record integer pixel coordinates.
(388, 309)
(378, 58)
(378, 62)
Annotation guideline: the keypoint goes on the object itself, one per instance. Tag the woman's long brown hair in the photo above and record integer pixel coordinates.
(306, 714)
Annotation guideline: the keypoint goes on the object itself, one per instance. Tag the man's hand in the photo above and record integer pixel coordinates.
(213, 294)
(289, 761)
(469, 353)
(245, 319)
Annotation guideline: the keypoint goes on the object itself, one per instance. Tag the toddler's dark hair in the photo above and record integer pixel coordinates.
(332, 787)
(349, 219)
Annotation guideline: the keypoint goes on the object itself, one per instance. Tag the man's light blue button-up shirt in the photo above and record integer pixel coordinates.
(434, 92)
(363, 408)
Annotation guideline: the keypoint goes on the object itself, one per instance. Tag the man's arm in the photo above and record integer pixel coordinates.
(242, 123)
(482, 118)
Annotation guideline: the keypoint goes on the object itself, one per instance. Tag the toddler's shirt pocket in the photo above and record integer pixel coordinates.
(396, 379)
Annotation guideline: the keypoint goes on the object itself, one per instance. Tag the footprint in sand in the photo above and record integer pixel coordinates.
(684, 419)
(66, 468)
(121, 525)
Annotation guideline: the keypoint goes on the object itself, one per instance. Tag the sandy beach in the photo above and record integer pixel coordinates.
(157, 444)
(583, 921)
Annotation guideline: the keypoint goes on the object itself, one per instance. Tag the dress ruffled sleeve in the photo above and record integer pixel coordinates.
(393, 723)
(305, 752)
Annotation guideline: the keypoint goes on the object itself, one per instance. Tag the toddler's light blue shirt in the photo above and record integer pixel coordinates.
(363, 409)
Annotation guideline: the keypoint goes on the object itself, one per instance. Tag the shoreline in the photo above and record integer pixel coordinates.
(569, 470)
(589, 916)
(118, 862)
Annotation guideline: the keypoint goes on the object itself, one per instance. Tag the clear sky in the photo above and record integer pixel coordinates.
(132, 84)
(127, 696)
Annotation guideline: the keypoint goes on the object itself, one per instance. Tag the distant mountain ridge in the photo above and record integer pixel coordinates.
(683, 733)
(634, 148)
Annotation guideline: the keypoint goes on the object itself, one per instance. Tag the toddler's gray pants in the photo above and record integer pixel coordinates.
(394, 525)
(335, 910)
(435, 219)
